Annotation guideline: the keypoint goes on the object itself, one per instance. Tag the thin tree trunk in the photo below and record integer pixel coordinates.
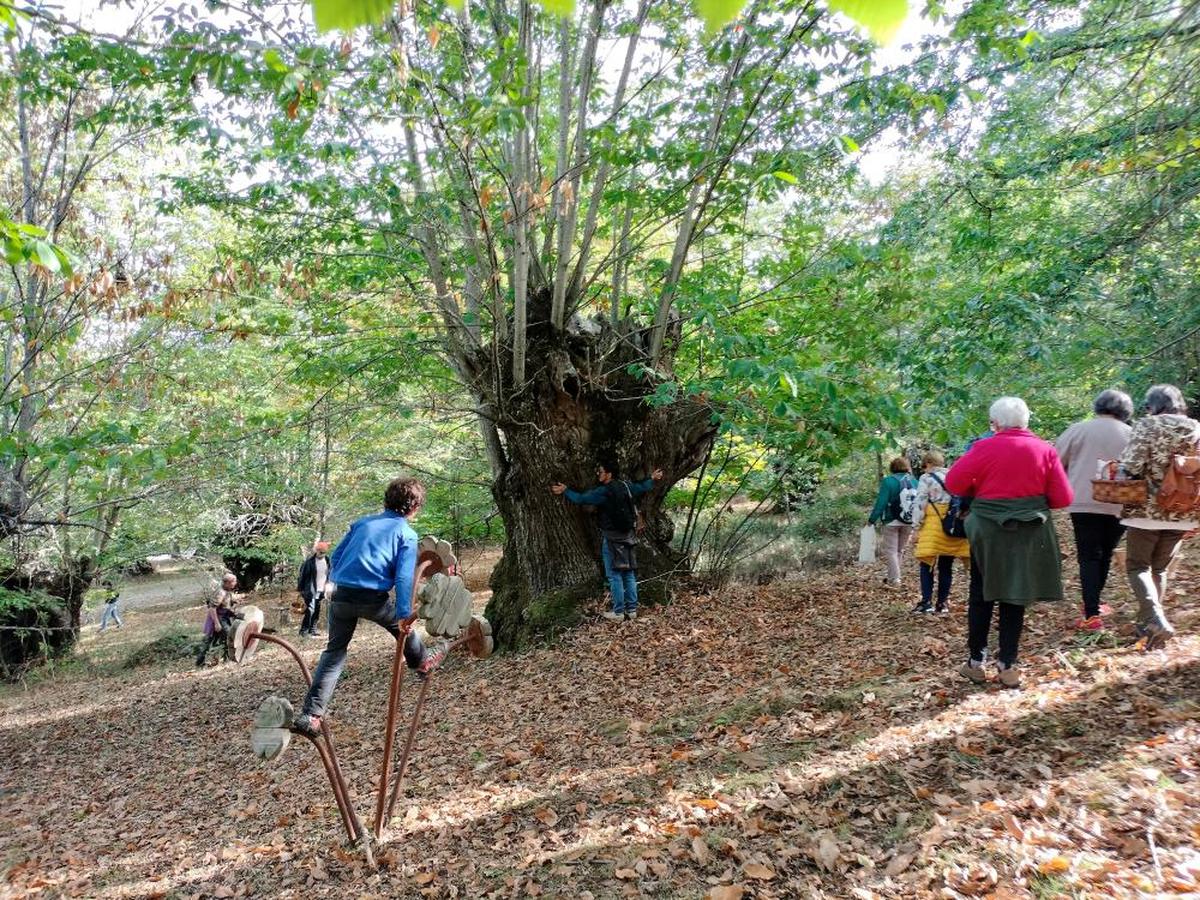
(566, 73)
(620, 264)
(601, 181)
(327, 447)
(683, 239)
(570, 199)
(521, 191)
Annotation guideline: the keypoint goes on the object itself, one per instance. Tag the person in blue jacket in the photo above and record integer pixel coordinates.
(616, 515)
(378, 554)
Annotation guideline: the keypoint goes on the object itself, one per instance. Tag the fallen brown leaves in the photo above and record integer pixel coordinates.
(795, 740)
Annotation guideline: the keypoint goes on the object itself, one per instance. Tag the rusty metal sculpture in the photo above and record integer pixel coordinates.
(272, 733)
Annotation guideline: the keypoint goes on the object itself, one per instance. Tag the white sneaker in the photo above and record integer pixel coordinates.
(612, 616)
(631, 615)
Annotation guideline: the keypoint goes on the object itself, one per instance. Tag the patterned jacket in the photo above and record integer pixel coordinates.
(1152, 443)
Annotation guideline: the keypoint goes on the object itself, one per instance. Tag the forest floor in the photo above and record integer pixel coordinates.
(787, 740)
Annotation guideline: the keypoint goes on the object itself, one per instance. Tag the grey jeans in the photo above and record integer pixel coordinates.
(1148, 553)
(347, 607)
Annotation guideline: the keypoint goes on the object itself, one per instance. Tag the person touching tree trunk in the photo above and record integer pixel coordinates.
(617, 517)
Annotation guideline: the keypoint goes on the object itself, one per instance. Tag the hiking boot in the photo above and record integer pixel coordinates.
(433, 659)
(973, 671)
(922, 607)
(631, 615)
(1157, 636)
(1009, 676)
(1089, 623)
(612, 616)
(307, 725)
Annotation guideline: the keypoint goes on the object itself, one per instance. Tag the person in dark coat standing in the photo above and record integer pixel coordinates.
(314, 577)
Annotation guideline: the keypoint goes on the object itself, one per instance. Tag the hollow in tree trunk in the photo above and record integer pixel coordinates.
(587, 398)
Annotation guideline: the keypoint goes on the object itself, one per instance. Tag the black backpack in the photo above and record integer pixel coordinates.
(622, 514)
(952, 522)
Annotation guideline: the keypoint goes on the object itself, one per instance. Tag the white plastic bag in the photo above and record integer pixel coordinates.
(866, 544)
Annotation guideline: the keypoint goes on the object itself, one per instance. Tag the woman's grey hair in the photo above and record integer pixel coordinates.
(1009, 412)
(1165, 398)
(1117, 404)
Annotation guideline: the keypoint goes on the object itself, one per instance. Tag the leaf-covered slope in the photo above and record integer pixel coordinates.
(781, 741)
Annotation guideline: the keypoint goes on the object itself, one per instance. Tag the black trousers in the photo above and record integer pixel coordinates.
(346, 607)
(223, 638)
(979, 622)
(1096, 536)
(945, 575)
(312, 613)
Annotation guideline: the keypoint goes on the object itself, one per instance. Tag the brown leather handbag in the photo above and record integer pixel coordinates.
(1180, 489)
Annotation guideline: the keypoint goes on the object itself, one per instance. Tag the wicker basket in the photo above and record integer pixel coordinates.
(1127, 492)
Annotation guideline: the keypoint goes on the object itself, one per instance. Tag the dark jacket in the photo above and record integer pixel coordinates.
(1015, 546)
(611, 500)
(306, 584)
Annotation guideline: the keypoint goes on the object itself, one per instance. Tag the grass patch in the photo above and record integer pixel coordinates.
(170, 647)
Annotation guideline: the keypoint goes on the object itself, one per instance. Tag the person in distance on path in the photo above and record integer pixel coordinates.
(314, 577)
(1097, 525)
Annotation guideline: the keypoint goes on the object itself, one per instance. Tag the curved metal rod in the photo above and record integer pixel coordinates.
(389, 734)
(270, 638)
(327, 733)
(341, 793)
(346, 820)
(412, 733)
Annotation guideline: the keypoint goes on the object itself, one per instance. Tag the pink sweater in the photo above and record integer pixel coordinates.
(1013, 463)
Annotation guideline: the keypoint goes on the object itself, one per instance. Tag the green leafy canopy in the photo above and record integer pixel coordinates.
(882, 18)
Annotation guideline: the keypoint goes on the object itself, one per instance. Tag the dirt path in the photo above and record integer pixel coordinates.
(785, 741)
(181, 588)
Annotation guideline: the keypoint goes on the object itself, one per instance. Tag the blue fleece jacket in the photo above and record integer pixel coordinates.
(379, 552)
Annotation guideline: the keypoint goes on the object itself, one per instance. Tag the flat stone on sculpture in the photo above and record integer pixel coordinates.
(270, 736)
(443, 550)
(251, 624)
(445, 605)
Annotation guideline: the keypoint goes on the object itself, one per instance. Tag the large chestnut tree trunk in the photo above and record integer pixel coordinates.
(582, 404)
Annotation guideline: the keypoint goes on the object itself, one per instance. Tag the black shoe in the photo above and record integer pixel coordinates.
(307, 725)
(942, 609)
(314, 633)
(923, 608)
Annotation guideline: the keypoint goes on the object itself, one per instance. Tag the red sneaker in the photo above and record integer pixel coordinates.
(1093, 623)
(433, 659)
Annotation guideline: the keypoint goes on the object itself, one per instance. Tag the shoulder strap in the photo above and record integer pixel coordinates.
(938, 479)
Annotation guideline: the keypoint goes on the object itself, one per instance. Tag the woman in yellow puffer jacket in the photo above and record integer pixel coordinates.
(934, 546)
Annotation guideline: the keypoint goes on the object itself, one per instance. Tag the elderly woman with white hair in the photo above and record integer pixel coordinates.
(1154, 534)
(1014, 479)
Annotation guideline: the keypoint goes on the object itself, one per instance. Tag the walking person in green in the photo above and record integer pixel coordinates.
(894, 508)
